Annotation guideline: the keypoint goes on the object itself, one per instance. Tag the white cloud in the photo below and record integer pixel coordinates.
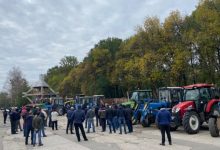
(36, 34)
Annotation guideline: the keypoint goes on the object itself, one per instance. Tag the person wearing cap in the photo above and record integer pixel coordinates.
(163, 120)
(78, 119)
(69, 120)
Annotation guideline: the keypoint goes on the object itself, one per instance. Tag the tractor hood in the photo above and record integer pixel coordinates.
(182, 107)
(158, 105)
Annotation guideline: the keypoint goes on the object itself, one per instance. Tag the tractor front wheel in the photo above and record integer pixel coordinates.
(191, 122)
(146, 122)
(213, 128)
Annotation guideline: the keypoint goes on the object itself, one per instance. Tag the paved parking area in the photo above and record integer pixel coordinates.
(141, 139)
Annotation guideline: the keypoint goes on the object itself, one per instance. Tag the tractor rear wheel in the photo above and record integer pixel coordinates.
(146, 122)
(191, 122)
(213, 129)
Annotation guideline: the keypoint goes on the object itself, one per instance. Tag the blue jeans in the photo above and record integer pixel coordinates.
(42, 129)
(111, 125)
(115, 122)
(90, 122)
(121, 121)
(38, 132)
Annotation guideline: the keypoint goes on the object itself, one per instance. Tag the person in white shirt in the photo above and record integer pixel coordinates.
(54, 116)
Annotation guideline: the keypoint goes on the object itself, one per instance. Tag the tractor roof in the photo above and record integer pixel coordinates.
(164, 88)
(199, 85)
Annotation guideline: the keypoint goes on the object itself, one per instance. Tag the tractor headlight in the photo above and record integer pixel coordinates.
(175, 110)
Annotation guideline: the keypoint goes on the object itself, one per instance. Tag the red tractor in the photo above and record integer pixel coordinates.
(200, 103)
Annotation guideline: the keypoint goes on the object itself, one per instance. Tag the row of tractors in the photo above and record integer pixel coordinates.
(191, 106)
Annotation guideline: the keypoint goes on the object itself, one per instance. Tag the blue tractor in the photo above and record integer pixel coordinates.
(137, 102)
(168, 97)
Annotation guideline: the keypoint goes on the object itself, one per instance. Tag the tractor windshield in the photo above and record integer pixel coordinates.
(141, 95)
(191, 94)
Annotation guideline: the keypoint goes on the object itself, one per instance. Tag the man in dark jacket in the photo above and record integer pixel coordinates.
(5, 114)
(102, 115)
(121, 119)
(128, 118)
(109, 117)
(78, 117)
(28, 121)
(69, 120)
(97, 115)
(13, 121)
(163, 119)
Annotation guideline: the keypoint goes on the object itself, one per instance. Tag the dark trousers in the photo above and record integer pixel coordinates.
(5, 118)
(163, 129)
(69, 125)
(54, 123)
(129, 124)
(97, 120)
(77, 127)
(28, 130)
(103, 124)
(13, 126)
(111, 125)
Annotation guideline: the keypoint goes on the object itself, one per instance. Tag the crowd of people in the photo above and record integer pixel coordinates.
(118, 118)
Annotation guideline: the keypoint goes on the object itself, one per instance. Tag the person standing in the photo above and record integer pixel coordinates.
(78, 118)
(97, 115)
(163, 120)
(43, 117)
(54, 116)
(69, 120)
(121, 119)
(102, 115)
(18, 118)
(28, 125)
(37, 125)
(13, 121)
(90, 119)
(5, 114)
(115, 117)
(128, 118)
(109, 118)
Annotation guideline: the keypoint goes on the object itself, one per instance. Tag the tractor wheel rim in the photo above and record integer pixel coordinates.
(194, 122)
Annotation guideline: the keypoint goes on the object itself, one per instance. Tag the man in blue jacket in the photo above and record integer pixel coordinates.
(69, 120)
(78, 118)
(163, 120)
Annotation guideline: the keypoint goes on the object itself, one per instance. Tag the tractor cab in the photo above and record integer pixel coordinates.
(138, 100)
(171, 95)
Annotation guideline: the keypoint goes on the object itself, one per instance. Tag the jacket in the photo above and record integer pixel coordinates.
(128, 114)
(102, 113)
(78, 116)
(109, 113)
(37, 122)
(121, 112)
(28, 120)
(90, 114)
(69, 114)
(163, 117)
(54, 116)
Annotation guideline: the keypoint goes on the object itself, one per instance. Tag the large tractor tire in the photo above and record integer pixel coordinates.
(146, 122)
(191, 122)
(213, 128)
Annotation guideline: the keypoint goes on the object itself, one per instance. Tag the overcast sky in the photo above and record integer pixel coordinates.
(36, 34)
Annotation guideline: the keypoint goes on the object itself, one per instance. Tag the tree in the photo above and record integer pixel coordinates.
(16, 85)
